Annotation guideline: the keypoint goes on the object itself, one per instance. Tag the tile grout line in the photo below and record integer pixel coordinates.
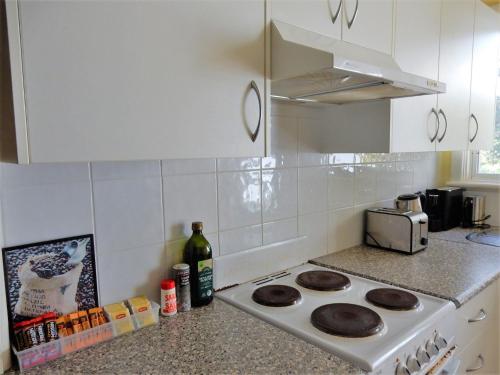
(217, 202)
(261, 205)
(93, 217)
(162, 203)
(297, 126)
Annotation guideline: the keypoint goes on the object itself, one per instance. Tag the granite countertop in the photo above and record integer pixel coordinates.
(218, 339)
(451, 267)
(456, 234)
(221, 339)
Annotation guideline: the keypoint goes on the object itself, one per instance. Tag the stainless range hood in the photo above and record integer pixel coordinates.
(311, 67)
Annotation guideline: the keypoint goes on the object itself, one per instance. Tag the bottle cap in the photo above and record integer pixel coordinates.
(181, 267)
(197, 225)
(168, 284)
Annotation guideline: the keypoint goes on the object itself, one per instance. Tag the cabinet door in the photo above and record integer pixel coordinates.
(371, 23)
(484, 78)
(321, 16)
(480, 356)
(108, 80)
(455, 60)
(416, 50)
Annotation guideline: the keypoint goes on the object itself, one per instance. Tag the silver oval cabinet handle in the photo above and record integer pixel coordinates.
(445, 125)
(336, 15)
(481, 364)
(480, 316)
(349, 23)
(433, 138)
(255, 88)
(477, 128)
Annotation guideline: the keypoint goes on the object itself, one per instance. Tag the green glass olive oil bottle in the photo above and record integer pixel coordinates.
(198, 254)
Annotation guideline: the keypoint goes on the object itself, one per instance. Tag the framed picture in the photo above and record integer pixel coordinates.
(58, 275)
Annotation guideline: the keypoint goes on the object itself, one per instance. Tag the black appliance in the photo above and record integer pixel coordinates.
(444, 208)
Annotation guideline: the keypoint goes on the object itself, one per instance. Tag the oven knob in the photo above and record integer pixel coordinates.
(431, 348)
(402, 370)
(440, 341)
(413, 364)
(422, 356)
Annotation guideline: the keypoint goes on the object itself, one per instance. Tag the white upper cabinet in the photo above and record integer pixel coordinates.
(414, 120)
(113, 80)
(484, 73)
(368, 23)
(321, 16)
(455, 61)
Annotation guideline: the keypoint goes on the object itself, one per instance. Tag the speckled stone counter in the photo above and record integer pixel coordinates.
(448, 269)
(217, 339)
(458, 234)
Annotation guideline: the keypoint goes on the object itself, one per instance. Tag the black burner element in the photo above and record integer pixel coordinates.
(323, 280)
(347, 320)
(392, 299)
(276, 295)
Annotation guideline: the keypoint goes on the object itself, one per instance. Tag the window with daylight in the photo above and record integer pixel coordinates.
(486, 164)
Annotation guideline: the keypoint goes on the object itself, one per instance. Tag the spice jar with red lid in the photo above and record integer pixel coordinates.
(168, 299)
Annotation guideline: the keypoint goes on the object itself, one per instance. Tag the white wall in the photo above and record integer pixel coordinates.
(141, 211)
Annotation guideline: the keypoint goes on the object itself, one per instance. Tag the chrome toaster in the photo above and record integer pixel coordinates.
(396, 230)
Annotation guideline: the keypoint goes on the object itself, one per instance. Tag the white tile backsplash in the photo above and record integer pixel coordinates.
(309, 138)
(404, 171)
(365, 183)
(237, 164)
(14, 176)
(188, 198)
(340, 187)
(386, 181)
(44, 212)
(281, 230)
(284, 143)
(279, 194)
(239, 199)
(315, 227)
(313, 189)
(236, 240)
(128, 213)
(125, 170)
(187, 166)
(342, 226)
(141, 212)
(121, 275)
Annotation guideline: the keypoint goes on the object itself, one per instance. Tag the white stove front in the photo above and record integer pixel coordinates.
(403, 334)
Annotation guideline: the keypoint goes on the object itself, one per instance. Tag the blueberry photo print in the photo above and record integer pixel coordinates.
(58, 275)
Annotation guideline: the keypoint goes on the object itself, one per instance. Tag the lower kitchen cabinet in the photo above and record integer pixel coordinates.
(478, 332)
(480, 356)
(101, 80)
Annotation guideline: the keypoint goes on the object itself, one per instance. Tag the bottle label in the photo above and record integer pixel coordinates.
(205, 278)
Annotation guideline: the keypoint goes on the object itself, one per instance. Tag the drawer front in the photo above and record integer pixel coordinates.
(477, 315)
(480, 356)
